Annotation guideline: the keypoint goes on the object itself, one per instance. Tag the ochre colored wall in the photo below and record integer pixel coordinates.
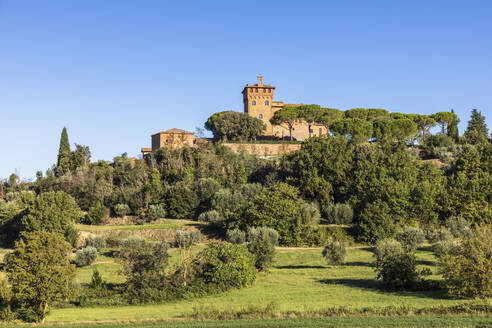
(263, 150)
(171, 140)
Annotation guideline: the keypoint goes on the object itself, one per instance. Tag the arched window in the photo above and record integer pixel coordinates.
(253, 103)
(260, 116)
(267, 103)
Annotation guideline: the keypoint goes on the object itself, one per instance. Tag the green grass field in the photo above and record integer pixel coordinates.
(164, 224)
(299, 281)
(399, 321)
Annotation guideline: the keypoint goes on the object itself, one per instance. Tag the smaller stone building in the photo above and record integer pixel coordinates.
(173, 138)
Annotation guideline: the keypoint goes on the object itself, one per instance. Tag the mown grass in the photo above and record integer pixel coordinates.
(398, 321)
(299, 281)
(166, 224)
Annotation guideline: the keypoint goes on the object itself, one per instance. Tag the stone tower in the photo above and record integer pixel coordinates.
(258, 101)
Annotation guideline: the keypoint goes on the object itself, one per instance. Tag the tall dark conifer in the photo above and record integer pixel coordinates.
(476, 130)
(64, 154)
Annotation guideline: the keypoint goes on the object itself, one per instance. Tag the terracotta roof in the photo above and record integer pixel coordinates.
(174, 131)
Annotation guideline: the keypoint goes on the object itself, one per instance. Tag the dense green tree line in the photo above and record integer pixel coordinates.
(368, 165)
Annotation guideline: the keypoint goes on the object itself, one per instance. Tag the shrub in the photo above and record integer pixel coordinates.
(182, 201)
(97, 281)
(230, 206)
(143, 264)
(53, 212)
(113, 239)
(442, 247)
(212, 217)
(228, 266)
(6, 313)
(278, 207)
(271, 234)
(467, 270)
(186, 239)
(95, 214)
(385, 248)
(376, 222)
(458, 226)
(85, 256)
(236, 236)
(96, 241)
(309, 213)
(410, 238)
(339, 213)
(261, 243)
(122, 210)
(156, 212)
(398, 271)
(334, 252)
(434, 236)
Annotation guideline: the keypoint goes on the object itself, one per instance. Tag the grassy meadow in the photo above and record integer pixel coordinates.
(299, 282)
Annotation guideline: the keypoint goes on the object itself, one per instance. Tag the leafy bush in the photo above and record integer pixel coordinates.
(236, 236)
(271, 234)
(182, 201)
(228, 266)
(261, 243)
(53, 212)
(319, 235)
(212, 217)
(467, 270)
(97, 281)
(334, 252)
(376, 222)
(442, 247)
(231, 206)
(278, 207)
(113, 239)
(385, 248)
(85, 256)
(122, 210)
(6, 313)
(95, 241)
(338, 213)
(309, 213)
(186, 239)
(442, 234)
(398, 271)
(95, 214)
(144, 265)
(459, 227)
(156, 212)
(410, 238)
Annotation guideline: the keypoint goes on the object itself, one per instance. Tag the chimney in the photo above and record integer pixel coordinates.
(260, 80)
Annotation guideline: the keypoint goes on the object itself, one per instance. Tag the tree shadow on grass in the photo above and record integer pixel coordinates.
(425, 262)
(364, 264)
(375, 285)
(367, 284)
(300, 267)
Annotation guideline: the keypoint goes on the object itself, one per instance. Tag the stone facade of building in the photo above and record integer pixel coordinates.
(258, 102)
(173, 138)
(264, 150)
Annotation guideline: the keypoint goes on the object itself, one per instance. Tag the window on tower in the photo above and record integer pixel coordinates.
(253, 103)
(267, 103)
(260, 116)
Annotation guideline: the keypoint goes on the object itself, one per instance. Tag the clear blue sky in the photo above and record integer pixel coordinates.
(114, 72)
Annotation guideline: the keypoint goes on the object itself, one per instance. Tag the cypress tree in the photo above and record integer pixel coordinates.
(453, 128)
(64, 154)
(476, 131)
